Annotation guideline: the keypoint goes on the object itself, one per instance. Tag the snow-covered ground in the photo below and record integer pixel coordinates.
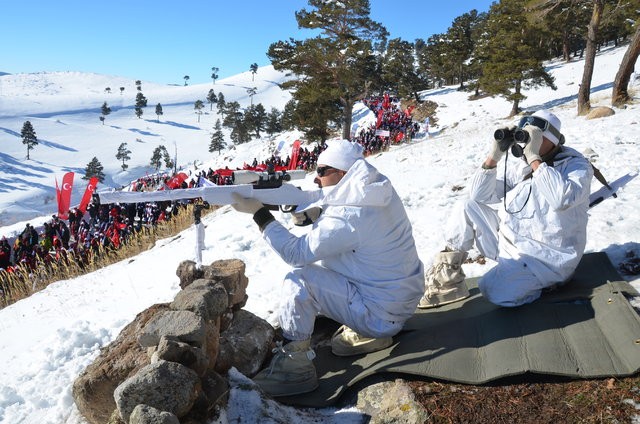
(48, 339)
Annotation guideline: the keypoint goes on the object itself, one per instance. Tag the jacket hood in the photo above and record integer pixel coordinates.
(362, 185)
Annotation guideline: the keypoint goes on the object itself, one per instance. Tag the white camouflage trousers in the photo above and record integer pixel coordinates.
(314, 290)
(510, 283)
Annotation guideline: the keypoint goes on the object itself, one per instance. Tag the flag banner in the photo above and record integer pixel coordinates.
(293, 162)
(64, 201)
(88, 192)
(383, 133)
(177, 180)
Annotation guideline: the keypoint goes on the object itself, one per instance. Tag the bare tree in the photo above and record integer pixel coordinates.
(620, 95)
(589, 59)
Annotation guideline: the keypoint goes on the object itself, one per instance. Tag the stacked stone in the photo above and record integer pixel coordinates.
(169, 364)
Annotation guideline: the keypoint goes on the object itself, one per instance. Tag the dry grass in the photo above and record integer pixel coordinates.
(24, 282)
(609, 400)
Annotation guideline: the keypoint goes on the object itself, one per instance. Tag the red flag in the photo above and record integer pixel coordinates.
(293, 162)
(379, 121)
(399, 137)
(64, 200)
(386, 102)
(88, 192)
(177, 180)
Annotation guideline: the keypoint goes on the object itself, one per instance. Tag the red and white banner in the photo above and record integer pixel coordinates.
(293, 162)
(64, 195)
(88, 192)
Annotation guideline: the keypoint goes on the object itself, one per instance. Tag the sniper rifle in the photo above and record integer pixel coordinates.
(269, 187)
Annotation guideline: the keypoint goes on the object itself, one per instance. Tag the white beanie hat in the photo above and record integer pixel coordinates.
(553, 136)
(340, 154)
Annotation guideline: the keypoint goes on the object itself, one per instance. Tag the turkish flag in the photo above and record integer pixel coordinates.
(64, 198)
(88, 192)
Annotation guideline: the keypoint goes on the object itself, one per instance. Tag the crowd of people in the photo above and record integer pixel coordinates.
(101, 227)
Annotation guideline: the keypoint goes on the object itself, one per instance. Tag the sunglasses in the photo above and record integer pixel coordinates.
(322, 170)
(543, 124)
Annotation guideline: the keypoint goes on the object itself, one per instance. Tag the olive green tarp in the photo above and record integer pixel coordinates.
(585, 329)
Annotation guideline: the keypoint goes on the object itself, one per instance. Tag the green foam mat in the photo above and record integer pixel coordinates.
(585, 329)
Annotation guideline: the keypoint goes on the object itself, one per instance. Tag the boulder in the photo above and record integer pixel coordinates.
(164, 385)
(230, 272)
(184, 326)
(93, 389)
(145, 414)
(188, 272)
(206, 298)
(182, 353)
(391, 402)
(600, 112)
(245, 344)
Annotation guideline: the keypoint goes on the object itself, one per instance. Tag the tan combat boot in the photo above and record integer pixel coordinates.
(291, 371)
(346, 342)
(445, 280)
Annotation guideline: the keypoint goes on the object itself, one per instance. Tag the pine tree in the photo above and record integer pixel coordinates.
(398, 69)
(221, 104)
(214, 74)
(337, 64)
(94, 169)
(274, 124)
(252, 92)
(105, 110)
(159, 111)
(217, 139)
(168, 162)
(156, 157)
(186, 78)
(141, 102)
(29, 138)
(198, 106)
(256, 119)
(287, 119)
(212, 98)
(511, 54)
(253, 68)
(123, 155)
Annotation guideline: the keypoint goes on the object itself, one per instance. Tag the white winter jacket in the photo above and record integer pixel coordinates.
(365, 235)
(544, 223)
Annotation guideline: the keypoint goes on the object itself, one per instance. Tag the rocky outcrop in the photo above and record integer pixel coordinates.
(170, 363)
(600, 112)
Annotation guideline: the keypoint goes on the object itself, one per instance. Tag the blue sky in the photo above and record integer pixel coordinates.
(162, 41)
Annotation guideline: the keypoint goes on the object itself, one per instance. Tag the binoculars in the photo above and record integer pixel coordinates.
(515, 139)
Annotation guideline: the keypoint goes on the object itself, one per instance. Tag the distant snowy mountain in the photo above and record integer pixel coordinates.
(64, 109)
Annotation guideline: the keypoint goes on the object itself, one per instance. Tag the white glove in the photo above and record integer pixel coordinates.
(496, 153)
(306, 217)
(532, 148)
(245, 204)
